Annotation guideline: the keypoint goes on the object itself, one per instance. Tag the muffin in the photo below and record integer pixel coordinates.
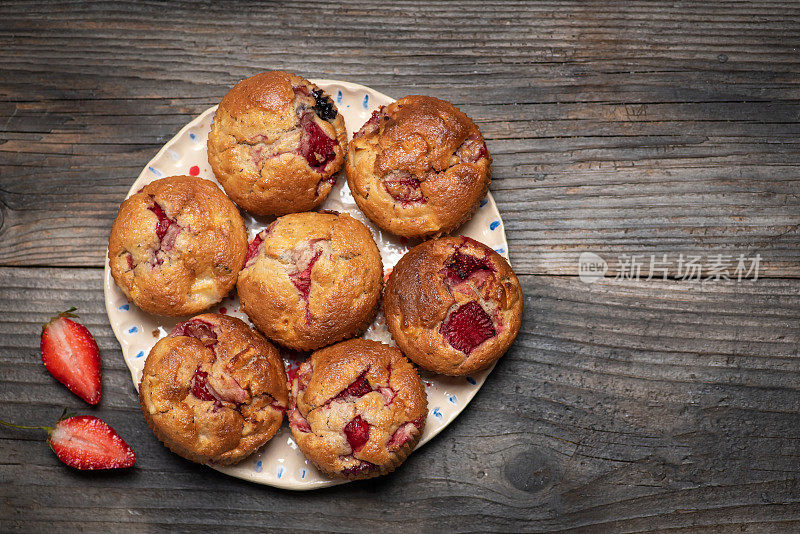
(419, 167)
(177, 245)
(276, 144)
(357, 409)
(311, 279)
(214, 390)
(453, 305)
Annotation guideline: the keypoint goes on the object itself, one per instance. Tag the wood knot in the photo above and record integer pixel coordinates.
(528, 471)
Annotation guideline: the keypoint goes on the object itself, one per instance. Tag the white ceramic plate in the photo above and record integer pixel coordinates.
(280, 463)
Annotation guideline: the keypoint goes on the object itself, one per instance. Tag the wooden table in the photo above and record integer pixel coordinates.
(618, 129)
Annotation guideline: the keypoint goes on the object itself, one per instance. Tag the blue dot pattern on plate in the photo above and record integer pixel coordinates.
(484, 202)
(193, 136)
(280, 471)
(500, 250)
(437, 413)
(471, 380)
(124, 307)
(453, 399)
(133, 330)
(494, 225)
(259, 466)
(303, 471)
(155, 171)
(365, 103)
(339, 98)
(140, 354)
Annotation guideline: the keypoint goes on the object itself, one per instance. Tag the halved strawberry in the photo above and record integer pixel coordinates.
(70, 354)
(86, 442)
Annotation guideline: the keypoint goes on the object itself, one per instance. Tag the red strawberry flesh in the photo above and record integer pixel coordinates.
(197, 329)
(296, 419)
(467, 327)
(358, 388)
(372, 125)
(400, 436)
(252, 248)
(199, 386)
(167, 231)
(70, 354)
(302, 280)
(86, 442)
(460, 266)
(388, 394)
(405, 189)
(315, 145)
(163, 221)
(472, 150)
(358, 469)
(357, 433)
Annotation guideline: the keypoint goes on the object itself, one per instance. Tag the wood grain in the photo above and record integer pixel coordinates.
(623, 406)
(617, 129)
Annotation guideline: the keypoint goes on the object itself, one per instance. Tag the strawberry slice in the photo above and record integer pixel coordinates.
(86, 442)
(70, 354)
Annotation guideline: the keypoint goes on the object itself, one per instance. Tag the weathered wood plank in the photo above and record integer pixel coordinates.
(644, 129)
(622, 406)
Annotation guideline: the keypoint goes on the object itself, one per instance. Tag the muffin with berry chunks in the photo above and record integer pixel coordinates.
(419, 167)
(311, 279)
(276, 144)
(357, 409)
(214, 390)
(453, 305)
(177, 245)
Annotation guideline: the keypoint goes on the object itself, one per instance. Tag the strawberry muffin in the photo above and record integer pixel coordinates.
(276, 144)
(311, 279)
(357, 409)
(453, 305)
(419, 167)
(177, 245)
(214, 390)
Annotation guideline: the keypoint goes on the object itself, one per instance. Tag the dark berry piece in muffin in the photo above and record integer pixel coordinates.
(357, 409)
(324, 106)
(453, 305)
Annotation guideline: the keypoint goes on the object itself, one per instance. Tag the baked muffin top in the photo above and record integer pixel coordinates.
(418, 167)
(177, 245)
(311, 279)
(357, 409)
(214, 390)
(453, 305)
(276, 143)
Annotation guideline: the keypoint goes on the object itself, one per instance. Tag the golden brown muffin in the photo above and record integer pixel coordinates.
(453, 305)
(214, 390)
(276, 143)
(419, 167)
(177, 246)
(311, 279)
(357, 409)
